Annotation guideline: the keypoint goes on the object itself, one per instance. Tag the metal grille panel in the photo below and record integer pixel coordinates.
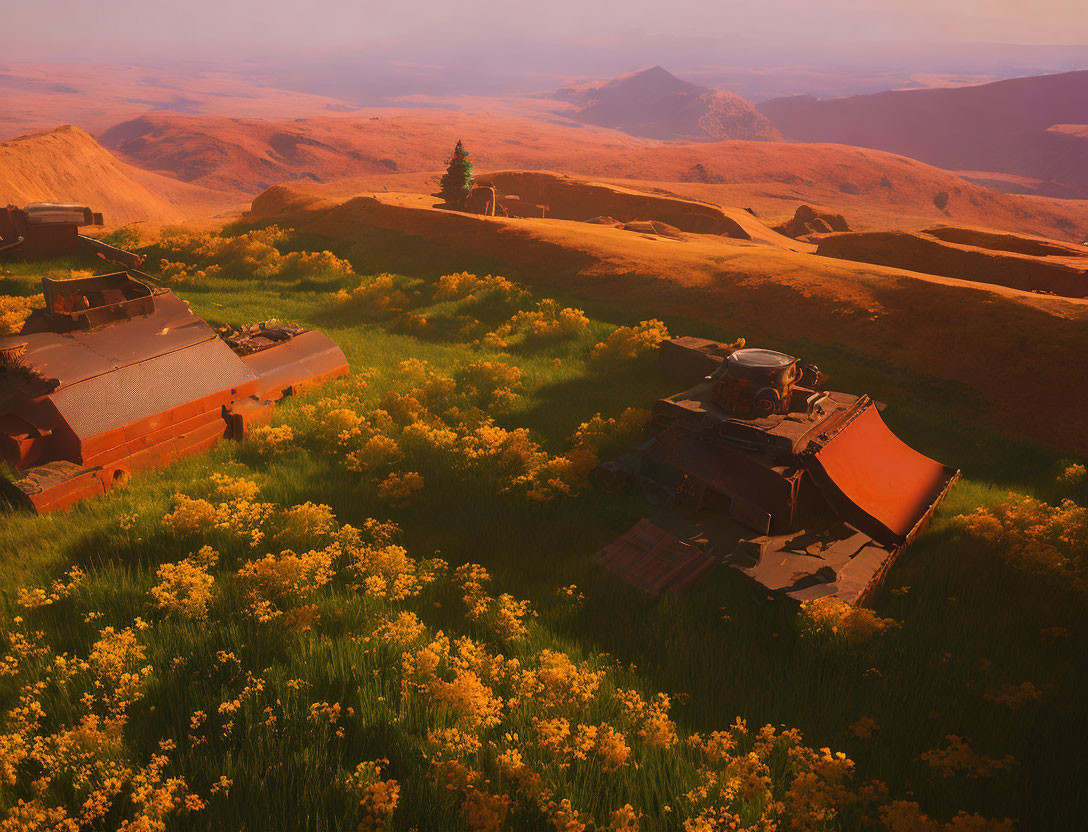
(115, 399)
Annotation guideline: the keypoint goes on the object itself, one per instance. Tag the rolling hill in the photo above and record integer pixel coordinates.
(405, 151)
(656, 104)
(1003, 260)
(969, 336)
(249, 155)
(1002, 127)
(564, 197)
(68, 165)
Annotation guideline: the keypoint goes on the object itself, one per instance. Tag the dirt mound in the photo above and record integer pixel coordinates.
(564, 197)
(1018, 243)
(67, 165)
(808, 220)
(789, 299)
(1006, 126)
(656, 104)
(662, 229)
(1066, 276)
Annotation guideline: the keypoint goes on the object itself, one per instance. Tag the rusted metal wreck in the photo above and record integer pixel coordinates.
(113, 376)
(805, 490)
(45, 230)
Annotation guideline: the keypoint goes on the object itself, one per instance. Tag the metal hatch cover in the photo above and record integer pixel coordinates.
(877, 482)
(654, 560)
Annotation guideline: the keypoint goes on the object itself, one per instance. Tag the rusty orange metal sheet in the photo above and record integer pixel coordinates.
(654, 560)
(877, 482)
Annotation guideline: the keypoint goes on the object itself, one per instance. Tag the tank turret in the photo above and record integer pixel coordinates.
(756, 382)
(44, 230)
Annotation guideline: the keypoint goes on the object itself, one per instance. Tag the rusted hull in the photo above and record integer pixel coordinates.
(303, 363)
(112, 379)
(816, 497)
(45, 230)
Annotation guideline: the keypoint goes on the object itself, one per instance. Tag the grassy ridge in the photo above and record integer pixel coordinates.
(969, 624)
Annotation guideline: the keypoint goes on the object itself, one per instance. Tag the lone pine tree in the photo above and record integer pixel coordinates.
(457, 181)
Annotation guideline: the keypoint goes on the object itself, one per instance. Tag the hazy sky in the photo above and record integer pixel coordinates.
(220, 29)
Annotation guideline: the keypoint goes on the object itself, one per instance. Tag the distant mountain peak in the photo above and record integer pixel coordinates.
(654, 103)
(656, 71)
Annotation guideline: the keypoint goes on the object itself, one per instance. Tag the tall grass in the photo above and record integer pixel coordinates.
(969, 623)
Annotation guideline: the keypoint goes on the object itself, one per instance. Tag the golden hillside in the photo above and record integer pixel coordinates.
(68, 165)
(971, 334)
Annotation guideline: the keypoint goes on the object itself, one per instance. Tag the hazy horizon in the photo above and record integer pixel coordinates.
(416, 53)
(409, 46)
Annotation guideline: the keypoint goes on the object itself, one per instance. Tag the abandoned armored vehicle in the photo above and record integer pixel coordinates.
(805, 490)
(113, 376)
(47, 229)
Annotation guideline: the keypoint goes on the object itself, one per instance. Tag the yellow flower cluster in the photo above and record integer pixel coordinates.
(626, 430)
(451, 417)
(1035, 536)
(376, 452)
(403, 630)
(179, 272)
(565, 744)
(570, 596)
(1014, 696)
(272, 440)
(378, 798)
(325, 712)
(550, 321)
(378, 292)
(464, 285)
(303, 524)
(472, 579)
(557, 682)
(467, 699)
(197, 516)
(835, 618)
(452, 743)
(399, 489)
(650, 718)
(907, 816)
(29, 599)
(185, 587)
(384, 570)
(627, 342)
(490, 383)
(624, 819)
(734, 780)
(506, 737)
(277, 583)
(508, 618)
(1073, 474)
(252, 253)
(957, 757)
(14, 311)
(77, 773)
(564, 817)
(235, 489)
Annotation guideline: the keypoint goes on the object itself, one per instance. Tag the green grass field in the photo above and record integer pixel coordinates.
(969, 623)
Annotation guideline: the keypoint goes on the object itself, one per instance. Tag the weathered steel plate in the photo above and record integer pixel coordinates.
(654, 560)
(877, 482)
